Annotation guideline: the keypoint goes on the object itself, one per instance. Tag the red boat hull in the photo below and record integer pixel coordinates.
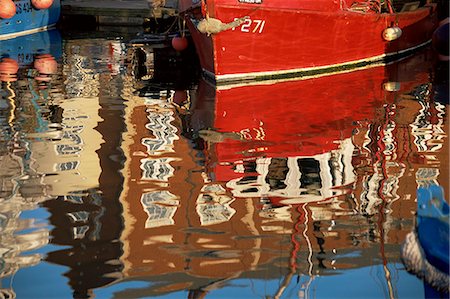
(303, 38)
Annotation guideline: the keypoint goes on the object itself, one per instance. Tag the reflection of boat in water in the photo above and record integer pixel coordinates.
(29, 19)
(299, 131)
(258, 40)
(40, 50)
(31, 60)
(24, 48)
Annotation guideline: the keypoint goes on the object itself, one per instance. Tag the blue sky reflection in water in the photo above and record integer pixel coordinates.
(373, 286)
(124, 175)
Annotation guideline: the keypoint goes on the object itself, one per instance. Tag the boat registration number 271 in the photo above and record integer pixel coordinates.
(252, 26)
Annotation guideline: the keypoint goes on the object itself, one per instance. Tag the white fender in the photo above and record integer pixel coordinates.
(392, 33)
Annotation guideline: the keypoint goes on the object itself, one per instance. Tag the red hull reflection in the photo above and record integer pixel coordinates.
(297, 118)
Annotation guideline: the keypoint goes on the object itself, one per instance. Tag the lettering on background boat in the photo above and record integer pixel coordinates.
(213, 26)
(23, 7)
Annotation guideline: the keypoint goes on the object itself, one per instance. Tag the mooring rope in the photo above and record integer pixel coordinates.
(415, 262)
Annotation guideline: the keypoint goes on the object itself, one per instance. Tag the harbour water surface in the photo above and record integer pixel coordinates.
(125, 175)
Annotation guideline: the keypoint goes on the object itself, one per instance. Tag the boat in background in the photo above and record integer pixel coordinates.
(29, 19)
(253, 40)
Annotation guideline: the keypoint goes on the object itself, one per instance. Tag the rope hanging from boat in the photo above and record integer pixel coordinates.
(389, 5)
(205, 11)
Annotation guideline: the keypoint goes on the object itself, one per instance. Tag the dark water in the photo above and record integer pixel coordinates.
(124, 175)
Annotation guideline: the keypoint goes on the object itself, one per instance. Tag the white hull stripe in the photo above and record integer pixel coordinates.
(306, 73)
(25, 32)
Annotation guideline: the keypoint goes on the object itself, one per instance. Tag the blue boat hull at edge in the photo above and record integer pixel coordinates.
(29, 19)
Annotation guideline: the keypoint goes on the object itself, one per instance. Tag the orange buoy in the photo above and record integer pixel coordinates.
(46, 64)
(8, 69)
(8, 66)
(42, 4)
(7, 9)
(8, 78)
(179, 43)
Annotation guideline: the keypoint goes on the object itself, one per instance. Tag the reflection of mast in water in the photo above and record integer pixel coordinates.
(295, 239)
(380, 188)
(382, 156)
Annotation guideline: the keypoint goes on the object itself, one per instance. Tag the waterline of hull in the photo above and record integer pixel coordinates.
(311, 72)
